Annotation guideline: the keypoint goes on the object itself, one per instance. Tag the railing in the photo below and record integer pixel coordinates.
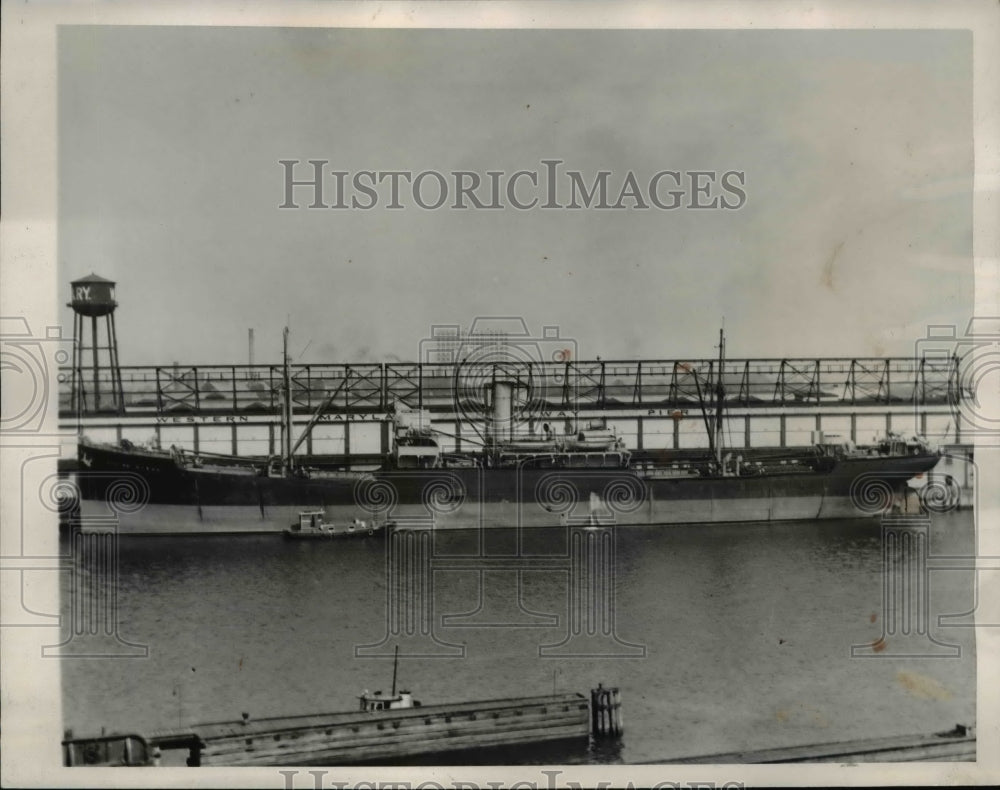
(584, 385)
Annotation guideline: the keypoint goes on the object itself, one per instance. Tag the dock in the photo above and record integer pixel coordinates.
(775, 403)
(358, 737)
(958, 744)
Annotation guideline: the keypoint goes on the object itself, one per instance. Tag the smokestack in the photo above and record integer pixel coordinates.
(503, 392)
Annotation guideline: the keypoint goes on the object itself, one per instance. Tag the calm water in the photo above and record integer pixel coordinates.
(747, 633)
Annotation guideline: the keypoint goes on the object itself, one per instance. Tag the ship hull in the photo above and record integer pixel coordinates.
(149, 493)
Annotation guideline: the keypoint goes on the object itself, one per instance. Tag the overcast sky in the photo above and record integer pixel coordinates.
(856, 148)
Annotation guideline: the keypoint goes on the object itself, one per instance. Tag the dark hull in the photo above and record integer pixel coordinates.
(150, 493)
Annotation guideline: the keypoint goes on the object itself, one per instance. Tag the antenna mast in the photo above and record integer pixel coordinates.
(395, 666)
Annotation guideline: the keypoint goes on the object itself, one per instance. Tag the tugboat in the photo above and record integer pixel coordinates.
(313, 524)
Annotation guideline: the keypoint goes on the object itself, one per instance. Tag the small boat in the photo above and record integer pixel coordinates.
(313, 524)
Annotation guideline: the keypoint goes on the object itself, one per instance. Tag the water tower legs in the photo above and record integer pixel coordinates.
(87, 338)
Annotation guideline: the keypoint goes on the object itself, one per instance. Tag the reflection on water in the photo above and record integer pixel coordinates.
(735, 636)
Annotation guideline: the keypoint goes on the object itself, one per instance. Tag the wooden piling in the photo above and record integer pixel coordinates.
(605, 712)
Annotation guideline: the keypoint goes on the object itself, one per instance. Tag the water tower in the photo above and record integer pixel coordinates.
(94, 298)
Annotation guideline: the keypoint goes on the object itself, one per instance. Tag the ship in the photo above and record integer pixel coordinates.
(514, 478)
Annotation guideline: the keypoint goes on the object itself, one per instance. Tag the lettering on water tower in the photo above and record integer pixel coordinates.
(94, 298)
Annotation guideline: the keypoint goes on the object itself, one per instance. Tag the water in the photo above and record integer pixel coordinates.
(747, 631)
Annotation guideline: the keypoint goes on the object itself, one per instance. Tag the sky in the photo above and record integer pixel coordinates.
(855, 234)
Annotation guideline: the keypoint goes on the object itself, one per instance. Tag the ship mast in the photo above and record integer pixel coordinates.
(286, 411)
(720, 396)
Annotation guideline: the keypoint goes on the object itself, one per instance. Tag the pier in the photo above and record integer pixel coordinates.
(656, 406)
(958, 744)
(234, 409)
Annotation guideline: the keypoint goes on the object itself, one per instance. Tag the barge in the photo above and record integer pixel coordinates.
(385, 728)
